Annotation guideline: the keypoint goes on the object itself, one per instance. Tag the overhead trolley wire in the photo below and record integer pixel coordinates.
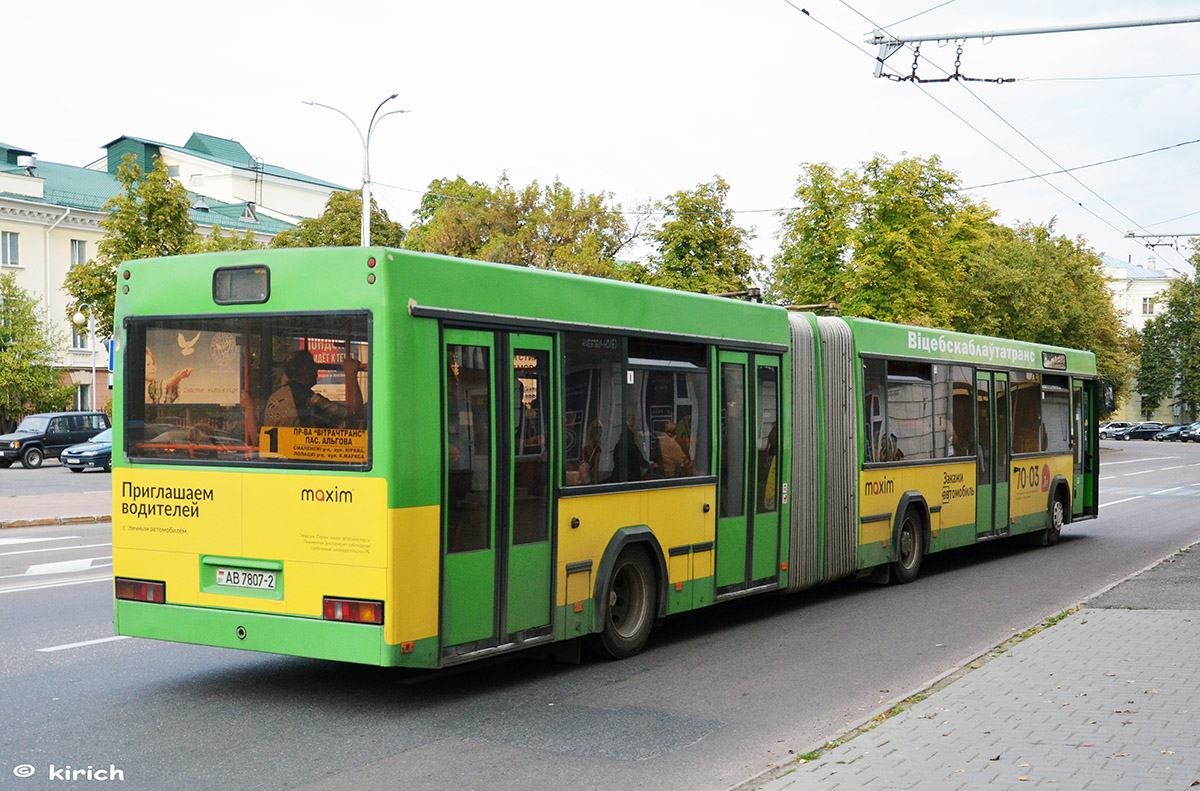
(978, 131)
(1084, 167)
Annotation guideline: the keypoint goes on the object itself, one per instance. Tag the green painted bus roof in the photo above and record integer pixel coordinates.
(336, 279)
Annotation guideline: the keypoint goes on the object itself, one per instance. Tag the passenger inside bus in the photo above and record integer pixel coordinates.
(295, 403)
(670, 457)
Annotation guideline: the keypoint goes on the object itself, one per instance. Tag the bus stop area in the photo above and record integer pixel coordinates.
(1105, 698)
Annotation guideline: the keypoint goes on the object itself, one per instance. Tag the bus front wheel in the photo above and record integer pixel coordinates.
(909, 549)
(629, 611)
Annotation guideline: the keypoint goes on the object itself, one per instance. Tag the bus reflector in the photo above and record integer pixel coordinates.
(141, 590)
(353, 610)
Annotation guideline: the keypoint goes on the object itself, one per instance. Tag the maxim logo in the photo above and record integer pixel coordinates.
(876, 488)
(326, 495)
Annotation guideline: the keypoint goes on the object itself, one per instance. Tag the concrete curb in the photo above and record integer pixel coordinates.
(55, 520)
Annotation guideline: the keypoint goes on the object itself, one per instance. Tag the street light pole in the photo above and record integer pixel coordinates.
(365, 235)
(90, 320)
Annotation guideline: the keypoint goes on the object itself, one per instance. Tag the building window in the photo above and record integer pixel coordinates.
(8, 248)
(78, 252)
(79, 337)
(83, 398)
(1147, 306)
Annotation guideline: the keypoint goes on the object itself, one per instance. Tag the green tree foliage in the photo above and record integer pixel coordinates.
(29, 381)
(1029, 284)
(1157, 371)
(1180, 341)
(148, 218)
(699, 247)
(892, 241)
(340, 225)
(896, 241)
(218, 241)
(545, 228)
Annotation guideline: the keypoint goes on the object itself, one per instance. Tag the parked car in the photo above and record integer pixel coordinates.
(46, 435)
(1139, 431)
(96, 452)
(1190, 433)
(1109, 429)
(1169, 434)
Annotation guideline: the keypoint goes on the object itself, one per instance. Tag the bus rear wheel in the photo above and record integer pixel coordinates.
(629, 614)
(909, 549)
(1058, 517)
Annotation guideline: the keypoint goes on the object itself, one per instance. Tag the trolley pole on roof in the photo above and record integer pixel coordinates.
(365, 236)
(889, 44)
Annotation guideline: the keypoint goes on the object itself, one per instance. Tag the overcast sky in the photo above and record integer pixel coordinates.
(638, 99)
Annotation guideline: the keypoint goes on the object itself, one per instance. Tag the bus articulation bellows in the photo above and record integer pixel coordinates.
(402, 459)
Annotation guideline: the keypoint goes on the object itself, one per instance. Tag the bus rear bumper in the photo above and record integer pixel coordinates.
(251, 631)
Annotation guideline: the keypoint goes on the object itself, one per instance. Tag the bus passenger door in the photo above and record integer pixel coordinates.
(1082, 432)
(764, 563)
(1003, 453)
(985, 455)
(469, 493)
(993, 454)
(732, 522)
(496, 516)
(749, 484)
(527, 529)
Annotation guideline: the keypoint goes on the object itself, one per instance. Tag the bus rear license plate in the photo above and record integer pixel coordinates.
(240, 578)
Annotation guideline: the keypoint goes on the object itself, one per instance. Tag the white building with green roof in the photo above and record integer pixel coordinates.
(50, 220)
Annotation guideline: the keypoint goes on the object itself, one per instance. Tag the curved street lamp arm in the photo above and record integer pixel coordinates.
(362, 139)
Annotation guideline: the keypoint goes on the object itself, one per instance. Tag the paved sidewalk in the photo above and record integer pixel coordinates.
(59, 509)
(1107, 698)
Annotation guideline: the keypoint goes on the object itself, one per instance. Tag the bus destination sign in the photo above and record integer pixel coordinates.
(345, 445)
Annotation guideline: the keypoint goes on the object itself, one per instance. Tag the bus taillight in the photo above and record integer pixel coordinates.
(353, 610)
(141, 590)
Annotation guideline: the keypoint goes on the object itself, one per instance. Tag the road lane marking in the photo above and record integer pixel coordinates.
(1180, 467)
(1143, 472)
(7, 541)
(1108, 478)
(1164, 491)
(43, 585)
(61, 567)
(64, 566)
(64, 549)
(1139, 461)
(1126, 500)
(84, 643)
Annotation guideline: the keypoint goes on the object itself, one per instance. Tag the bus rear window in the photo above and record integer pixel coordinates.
(273, 390)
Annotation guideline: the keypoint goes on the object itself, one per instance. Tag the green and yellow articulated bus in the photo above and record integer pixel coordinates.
(401, 459)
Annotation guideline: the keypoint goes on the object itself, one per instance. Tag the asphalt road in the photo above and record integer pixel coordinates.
(51, 478)
(716, 697)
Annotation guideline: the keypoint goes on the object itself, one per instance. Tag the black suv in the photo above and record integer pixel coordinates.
(45, 436)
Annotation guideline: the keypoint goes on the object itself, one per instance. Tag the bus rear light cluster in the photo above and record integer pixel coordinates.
(141, 590)
(353, 610)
